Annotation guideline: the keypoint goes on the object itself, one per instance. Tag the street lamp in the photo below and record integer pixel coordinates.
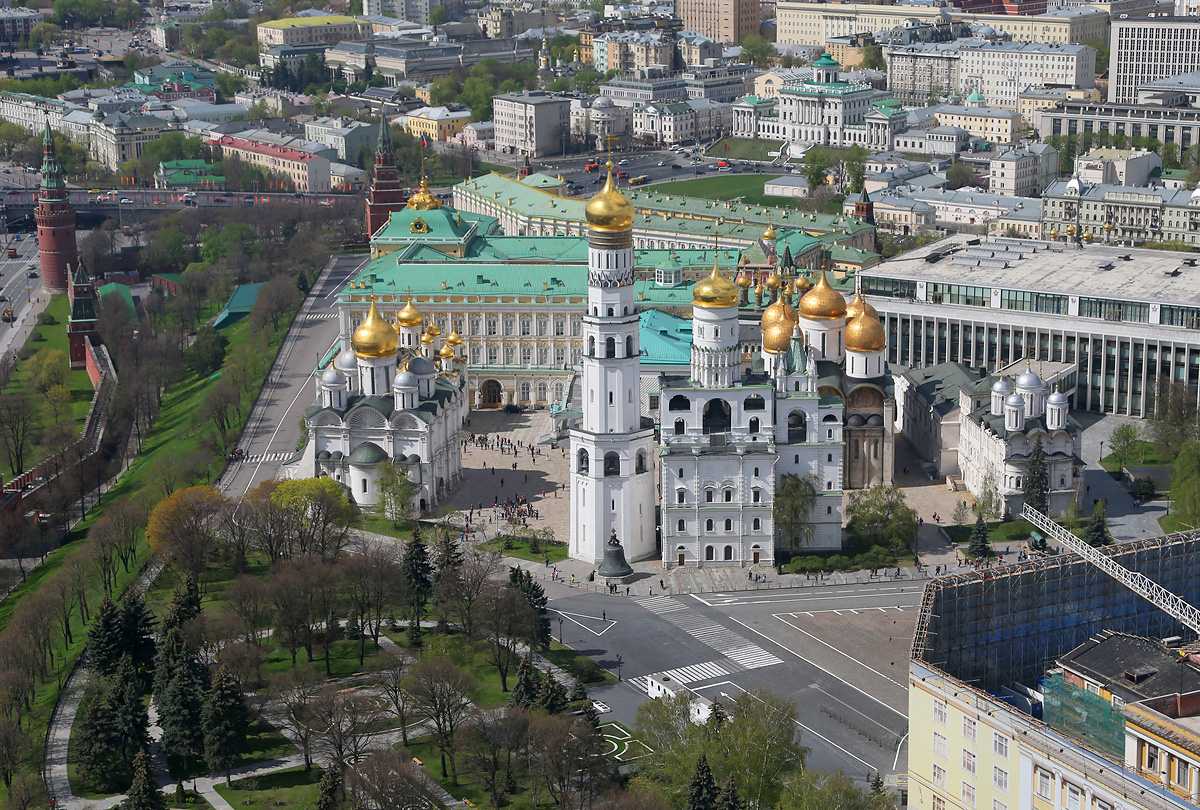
(560, 624)
(620, 661)
(1102, 452)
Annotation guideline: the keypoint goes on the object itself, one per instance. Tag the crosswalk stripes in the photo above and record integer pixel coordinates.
(697, 672)
(320, 316)
(640, 683)
(730, 644)
(254, 458)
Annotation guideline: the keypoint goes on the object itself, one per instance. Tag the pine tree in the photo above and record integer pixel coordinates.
(143, 794)
(1096, 533)
(94, 740)
(173, 653)
(578, 693)
(414, 641)
(702, 788)
(331, 789)
(1036, 485)
(185, 605)
(104, 638)
(417, 574)
(552, 695)
(979, 548)
(130, 722)
(179, 708)
(137, 628)
(524, 692)
(448, 556)
(716, 718)
(224, 720)
(729, 798)
(536, 597)
(192, 589)
(590, 714)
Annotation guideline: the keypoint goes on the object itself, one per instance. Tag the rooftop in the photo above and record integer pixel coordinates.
(1131, 666)
(309, 22)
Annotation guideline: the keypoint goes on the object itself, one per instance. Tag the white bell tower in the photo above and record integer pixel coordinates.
(612, 454)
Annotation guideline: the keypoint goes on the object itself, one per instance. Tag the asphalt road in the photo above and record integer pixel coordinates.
(268, 440)
(15, 285)
(841, 656)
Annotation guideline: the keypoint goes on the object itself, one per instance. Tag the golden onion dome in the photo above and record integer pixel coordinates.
(1087, 236)
(410, 315)
(803, 285)
(822, 302)
(426, 339)
(446, 352)
(775, 339)
(1054, 233)
(455, 339)
(787, 289)
(433, 329)
(769, 233)
(1070, 230)
(423, 200)
(855, 307)
(744, 281)
(758, 289)
(865, 333)
(715, 291)
(774, 282)
(610, 210)
(374, 337)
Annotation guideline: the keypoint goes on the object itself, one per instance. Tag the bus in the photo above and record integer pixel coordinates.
(637, 181)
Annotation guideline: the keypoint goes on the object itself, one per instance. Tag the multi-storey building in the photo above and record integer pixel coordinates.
(328, 30)
(534, 123)
(1128, 323)
(437, 123)
(1073, 210)
(345, 136)
(804, 22)
(682, 122)
(121, 137)
(414, 10)
(727, 21)
(1145, 49)
(1118, 167)
(630, 50)
(1023, 172)
(1002, 70)
(501, 22)
(306, 170)
(827, 111)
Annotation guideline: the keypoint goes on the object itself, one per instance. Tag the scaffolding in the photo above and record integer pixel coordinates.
(1082, 715)
(997, 626)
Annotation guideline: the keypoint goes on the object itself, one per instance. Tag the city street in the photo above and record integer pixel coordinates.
(17, 290)
(841, 654)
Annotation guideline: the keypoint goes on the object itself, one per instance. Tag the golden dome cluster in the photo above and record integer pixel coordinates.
(822, 302)
(778, 323)
(609, 210)
(374, 337)
(454, 339)
(423, 200)
(714, 291)
(864, 332)
(446, 352)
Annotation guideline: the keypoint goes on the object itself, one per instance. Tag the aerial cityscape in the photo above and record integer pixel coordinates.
(742, 405)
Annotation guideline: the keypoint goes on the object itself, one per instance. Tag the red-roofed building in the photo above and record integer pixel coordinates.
(308, 172)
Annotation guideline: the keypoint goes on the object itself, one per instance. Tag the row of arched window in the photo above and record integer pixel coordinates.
(610, 347)
(710, 495)
(612, 463)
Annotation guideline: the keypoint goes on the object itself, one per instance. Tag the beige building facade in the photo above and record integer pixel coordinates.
(725, 21)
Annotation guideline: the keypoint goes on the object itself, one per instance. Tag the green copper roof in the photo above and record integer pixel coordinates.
(976, 98)
(52, 179)
(539, 180)
(665, 339)
(826, 61)
(443, 224)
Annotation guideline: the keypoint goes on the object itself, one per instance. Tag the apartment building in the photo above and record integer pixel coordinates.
(1001, 70)
(437, 123)
(1148, 48)
(725, 21)
(345, 136)
(307, 171)
(328, 30)
(682, 122)
(533, 123)
(1023, 172)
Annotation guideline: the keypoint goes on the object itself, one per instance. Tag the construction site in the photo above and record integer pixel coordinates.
(1000, 648)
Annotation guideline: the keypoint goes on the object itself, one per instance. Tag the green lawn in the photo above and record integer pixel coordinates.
(381, 525)
(555, 552)
(343, 659)
(572, 662)
(743, 149)
(55, 338)
(291, 788)
(1012, 533)
(746, 187)
(1142, 454)
(494, 167)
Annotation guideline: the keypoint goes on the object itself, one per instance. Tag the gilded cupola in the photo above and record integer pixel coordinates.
(609, 210)
(374, 337)
(822, 302)
(865, 333)
(714, 291)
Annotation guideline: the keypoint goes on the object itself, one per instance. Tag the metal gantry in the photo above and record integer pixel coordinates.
(1146, 588)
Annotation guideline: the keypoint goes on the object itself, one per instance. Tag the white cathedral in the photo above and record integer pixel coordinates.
(395, 396)
(817, 401)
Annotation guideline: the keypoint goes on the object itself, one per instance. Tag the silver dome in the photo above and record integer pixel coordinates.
(421, 366)
(1057, 398)
(405, 379)
(1029, 379)
(1002, 386)
(346, 361)
(1015, 401)
(333, 378)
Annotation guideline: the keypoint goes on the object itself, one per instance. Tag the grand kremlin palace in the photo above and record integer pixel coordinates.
(517, 302)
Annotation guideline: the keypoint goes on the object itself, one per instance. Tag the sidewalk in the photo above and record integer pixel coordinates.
(13, 339)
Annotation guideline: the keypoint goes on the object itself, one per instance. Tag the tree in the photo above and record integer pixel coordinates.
(979, 547)
(988, 503)
(330, 789)
(294, 691)
(1102, 50)
(276, 299)
(57, 399)
(509, 623)
(344, 722)
(1096, 533)
(19, 421)
(143, 792)
(44, 34)
(137, 627)
(758, 50)
(127, 714)
(1122, 441)
(729, 798)
(881, 516)
(249, 600)
(855, 163)
(1035, 487)
(392, 682)
(183, 528)
(817, 163)
(207, 351)
(104, 638)
(702, 788)
(493, 740)
(224, 720)
(417, 574)
(13, 745)
(317, 515)
(438, 15)
(1185, 484)
(396, 493)
(535, 595)
(387, 781)
(820, 790)
(443, 692)
(959, 175)
(179, 709)
(795, 500)
(524, 693)
(962, 513)
(872, 58)
(1174, 420)
(552, 695)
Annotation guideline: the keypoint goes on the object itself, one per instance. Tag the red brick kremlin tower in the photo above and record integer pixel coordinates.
(55, 218)
(387, 194)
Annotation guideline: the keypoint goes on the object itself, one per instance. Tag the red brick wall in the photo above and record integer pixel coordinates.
(93, 371)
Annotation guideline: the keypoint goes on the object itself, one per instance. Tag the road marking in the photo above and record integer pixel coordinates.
(853, 709)
(865, 593)
(697, 672)
(779, 616)
(731, 645)
(571, 618)
(812, 613)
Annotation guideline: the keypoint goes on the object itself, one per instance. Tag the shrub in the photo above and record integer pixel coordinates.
(26, 352)
(585, 669)
(46, 319)
(1143, 489)
(36, 336)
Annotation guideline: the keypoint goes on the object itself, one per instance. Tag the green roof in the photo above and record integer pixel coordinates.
(976, 98)
(120, 291)
(239, 304)
(758, 101)
(182, 165)
(826, 61)
(539, 180)
(174, 278)
(665, 340)
(444, 225)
